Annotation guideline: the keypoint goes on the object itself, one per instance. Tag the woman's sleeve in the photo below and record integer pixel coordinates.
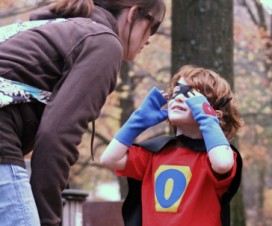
(80, 95)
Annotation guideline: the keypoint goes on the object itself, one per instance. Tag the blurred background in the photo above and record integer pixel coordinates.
(232, 37)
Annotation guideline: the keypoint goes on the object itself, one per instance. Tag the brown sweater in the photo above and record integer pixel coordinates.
(78, 61)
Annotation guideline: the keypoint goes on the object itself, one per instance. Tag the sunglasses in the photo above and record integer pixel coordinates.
(154, 22)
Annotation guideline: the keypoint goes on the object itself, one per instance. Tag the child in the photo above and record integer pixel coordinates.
(185, 176)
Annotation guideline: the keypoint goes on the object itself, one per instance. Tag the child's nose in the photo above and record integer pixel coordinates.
(180, 98)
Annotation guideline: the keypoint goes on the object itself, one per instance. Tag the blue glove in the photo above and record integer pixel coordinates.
(205, 115)
(148, 114)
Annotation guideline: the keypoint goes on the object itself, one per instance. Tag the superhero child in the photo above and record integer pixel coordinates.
(187, 179)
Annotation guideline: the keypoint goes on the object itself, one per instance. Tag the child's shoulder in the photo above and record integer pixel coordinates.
(157, 144)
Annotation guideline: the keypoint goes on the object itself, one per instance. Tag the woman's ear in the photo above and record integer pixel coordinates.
(132, 13)
(219, 114)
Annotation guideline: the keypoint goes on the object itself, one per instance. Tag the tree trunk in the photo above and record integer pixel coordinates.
(237, 209)
(261, 166)
(202, 35)
(127, 106)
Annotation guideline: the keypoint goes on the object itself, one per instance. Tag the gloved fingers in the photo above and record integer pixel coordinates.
(193, 93)
(156, 97)
(196, 102)
(164, 113)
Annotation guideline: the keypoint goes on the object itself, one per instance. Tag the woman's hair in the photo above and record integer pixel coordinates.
(84, 8)
(156, 8)
(72, 8)
(218, 92)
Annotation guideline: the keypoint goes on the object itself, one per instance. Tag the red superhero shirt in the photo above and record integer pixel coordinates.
(179, 187)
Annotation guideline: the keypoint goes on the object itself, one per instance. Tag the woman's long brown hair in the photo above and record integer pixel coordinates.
(84, 8)
(72, 8)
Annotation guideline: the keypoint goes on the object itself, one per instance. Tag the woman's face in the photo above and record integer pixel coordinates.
(138, 39)
(135, 39)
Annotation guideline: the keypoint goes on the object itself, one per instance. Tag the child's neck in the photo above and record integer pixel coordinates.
(194, 134)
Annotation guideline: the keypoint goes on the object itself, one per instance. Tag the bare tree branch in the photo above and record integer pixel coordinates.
(251, 14)
(260, 11)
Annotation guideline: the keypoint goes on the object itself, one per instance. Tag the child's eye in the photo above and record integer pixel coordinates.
(175, 93)
(176, 90)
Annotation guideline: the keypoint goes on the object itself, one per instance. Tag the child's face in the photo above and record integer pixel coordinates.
(179, 113)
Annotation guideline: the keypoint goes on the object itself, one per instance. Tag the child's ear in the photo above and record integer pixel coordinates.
(133, 11)
(219, 114)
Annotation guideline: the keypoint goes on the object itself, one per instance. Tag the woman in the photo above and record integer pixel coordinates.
(75, 53)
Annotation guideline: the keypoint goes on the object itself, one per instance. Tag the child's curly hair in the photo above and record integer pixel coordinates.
(218, 92)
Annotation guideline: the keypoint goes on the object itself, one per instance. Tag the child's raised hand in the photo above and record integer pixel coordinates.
(148, 114)
(193, 93)
(165, 95)
(205, 115)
